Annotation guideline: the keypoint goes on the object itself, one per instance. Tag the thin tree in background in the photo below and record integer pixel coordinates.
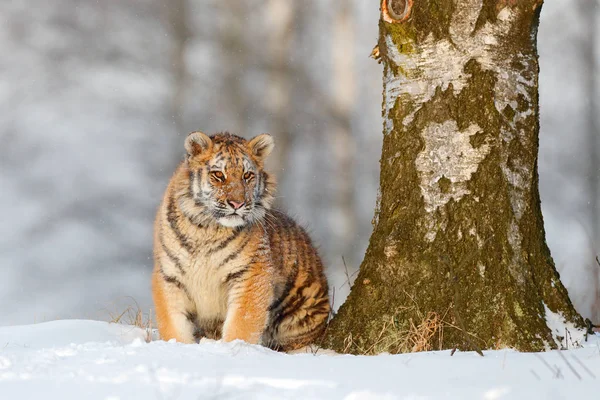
(280, 17)
(588, 10)
(343, 144)
(179, 26)
(458, 257)
(234, 53)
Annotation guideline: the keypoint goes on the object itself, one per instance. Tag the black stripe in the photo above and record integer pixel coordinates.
(225, 242)
(300, 253)
(173, 219)
(258, 188)
(236, 253)
(171, 256)
(191, 316)
(276, 250)
(296, 302)
(311, 255)
(232, 276)
(195, 220)
(197, 177)
(191, 183)
(322, 302)
(312, 333)
(263, 178)
(290, 308)
(284, 235)
(174, 281)
(289, 284)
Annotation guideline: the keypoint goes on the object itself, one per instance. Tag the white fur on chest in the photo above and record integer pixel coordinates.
(205, 282)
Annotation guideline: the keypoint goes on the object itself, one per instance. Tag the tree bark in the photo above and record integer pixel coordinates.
(458, 257)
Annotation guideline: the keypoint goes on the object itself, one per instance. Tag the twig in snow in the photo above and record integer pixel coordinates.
(331, 305)
(535, 374)
(568, 337)
(348, 276)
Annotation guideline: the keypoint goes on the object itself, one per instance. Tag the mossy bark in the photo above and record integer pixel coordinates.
(458, 230)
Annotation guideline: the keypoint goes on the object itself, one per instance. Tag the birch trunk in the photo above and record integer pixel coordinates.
(458, 257)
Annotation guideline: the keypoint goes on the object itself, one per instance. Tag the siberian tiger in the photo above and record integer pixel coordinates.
(226, 264)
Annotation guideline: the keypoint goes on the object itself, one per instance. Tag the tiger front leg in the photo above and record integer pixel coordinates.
(172, 307)
(249, 298)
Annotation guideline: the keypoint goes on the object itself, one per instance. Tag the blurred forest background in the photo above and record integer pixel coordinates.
(96, 98)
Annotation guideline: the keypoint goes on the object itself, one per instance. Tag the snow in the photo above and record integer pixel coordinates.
(70, 359)
(564, 332)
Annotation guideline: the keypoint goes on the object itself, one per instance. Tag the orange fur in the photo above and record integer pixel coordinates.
(161, 307)
(247, 315)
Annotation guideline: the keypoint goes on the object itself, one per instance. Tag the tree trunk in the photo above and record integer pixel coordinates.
(458, 257)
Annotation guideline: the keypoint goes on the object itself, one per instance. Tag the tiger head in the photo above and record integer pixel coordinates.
(227, 181)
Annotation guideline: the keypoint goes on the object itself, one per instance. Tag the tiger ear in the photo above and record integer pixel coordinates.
(261, 145)
(196, 143)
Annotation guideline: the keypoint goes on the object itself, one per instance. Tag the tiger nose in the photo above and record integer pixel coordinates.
(236, 204)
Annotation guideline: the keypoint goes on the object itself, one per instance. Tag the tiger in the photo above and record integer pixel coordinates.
(227, 265)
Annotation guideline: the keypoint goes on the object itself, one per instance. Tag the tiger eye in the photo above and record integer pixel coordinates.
(219, 175)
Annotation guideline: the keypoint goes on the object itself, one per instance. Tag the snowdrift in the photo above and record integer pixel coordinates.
(77, 359)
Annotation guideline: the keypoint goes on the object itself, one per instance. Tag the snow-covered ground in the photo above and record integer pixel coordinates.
(77, 359)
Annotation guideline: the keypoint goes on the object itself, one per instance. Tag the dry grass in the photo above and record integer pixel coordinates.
(424, 333)
(419, 336)
(134, 316)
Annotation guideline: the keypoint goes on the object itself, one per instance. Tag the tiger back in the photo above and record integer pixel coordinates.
(228, 266)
